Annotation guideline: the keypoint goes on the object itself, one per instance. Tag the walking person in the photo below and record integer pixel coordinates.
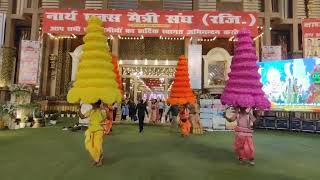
(174, 110)
(132, 110)
(166, 110)
(243, 144)
(124, 111)
(154, 112)
(142, 111)
(94, 133)
(115, 110)
(161, 109)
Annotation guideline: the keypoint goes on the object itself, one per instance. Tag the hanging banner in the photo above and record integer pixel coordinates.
(2, 27)
(151, 23)
(271, 53)
(29, 62)
(195, 65)
(311, 37)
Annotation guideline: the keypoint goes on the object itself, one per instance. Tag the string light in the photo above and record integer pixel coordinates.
(62, 36)
(171, 38)
(257, 37)
(208, 39)
(131, 38)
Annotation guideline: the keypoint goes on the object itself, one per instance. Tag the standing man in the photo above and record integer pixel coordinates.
(161, 110)
(115, 110)
(142, 110)
(174, 110)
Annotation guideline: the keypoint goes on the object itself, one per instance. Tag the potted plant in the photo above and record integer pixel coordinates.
(23, 121)
(24, 111)
(21, 94)
(68, 114)
(7, 114)
(54, 118)
(37, 116)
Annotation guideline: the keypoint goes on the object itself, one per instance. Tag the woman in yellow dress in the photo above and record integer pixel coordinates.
(94, 133)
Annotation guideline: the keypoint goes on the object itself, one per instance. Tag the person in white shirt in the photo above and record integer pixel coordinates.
(84, 108)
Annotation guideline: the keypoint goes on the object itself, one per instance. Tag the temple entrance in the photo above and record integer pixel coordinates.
(147, 79)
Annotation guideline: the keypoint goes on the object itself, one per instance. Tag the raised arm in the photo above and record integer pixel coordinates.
(145, 109)
(82, 116)
(252, 118)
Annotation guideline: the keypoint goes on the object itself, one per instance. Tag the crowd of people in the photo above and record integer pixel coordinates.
(157, 111)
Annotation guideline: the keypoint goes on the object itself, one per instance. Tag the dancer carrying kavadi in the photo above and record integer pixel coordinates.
(243, 92)
(181, 94)
(95, 84)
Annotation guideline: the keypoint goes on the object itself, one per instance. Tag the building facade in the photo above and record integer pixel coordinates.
(279, 24)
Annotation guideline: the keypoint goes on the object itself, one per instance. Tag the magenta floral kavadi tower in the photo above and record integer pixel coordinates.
(243, 88)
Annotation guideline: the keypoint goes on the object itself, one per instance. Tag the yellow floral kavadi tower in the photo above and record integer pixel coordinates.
(95, 79)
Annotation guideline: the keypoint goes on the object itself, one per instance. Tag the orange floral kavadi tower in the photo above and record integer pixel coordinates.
(181, 93)
(116, 71)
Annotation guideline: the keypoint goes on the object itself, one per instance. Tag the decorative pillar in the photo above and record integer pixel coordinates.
(35, 21)
(9, 26)
(67, 67)
(115, 46)
(46, 45)
(295, 27)
(166, 84)
(59, 68)
(7, 66)
(267, 22)
(105, 4)
(186, 46)
(53, 67)
(135, 90)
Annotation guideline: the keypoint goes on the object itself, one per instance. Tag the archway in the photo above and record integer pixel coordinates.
(216, 68)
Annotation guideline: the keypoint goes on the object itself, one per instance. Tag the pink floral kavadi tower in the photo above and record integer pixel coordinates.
(243, 88)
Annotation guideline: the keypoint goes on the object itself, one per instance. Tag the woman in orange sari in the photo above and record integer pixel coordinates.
(184, 122)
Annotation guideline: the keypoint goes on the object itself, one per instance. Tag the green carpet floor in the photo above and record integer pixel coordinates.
(157, 154)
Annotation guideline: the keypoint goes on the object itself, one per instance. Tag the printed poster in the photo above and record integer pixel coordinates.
(29, 62)
(271, 53)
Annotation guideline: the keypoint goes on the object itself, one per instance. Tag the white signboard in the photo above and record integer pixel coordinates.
(219, 122)
(195, 65)
(2, 27)
(271, 53)
(206, 113)
(29, 62)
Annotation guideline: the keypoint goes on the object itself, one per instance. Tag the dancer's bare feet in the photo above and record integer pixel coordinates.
(94, 163)
(100, 162)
